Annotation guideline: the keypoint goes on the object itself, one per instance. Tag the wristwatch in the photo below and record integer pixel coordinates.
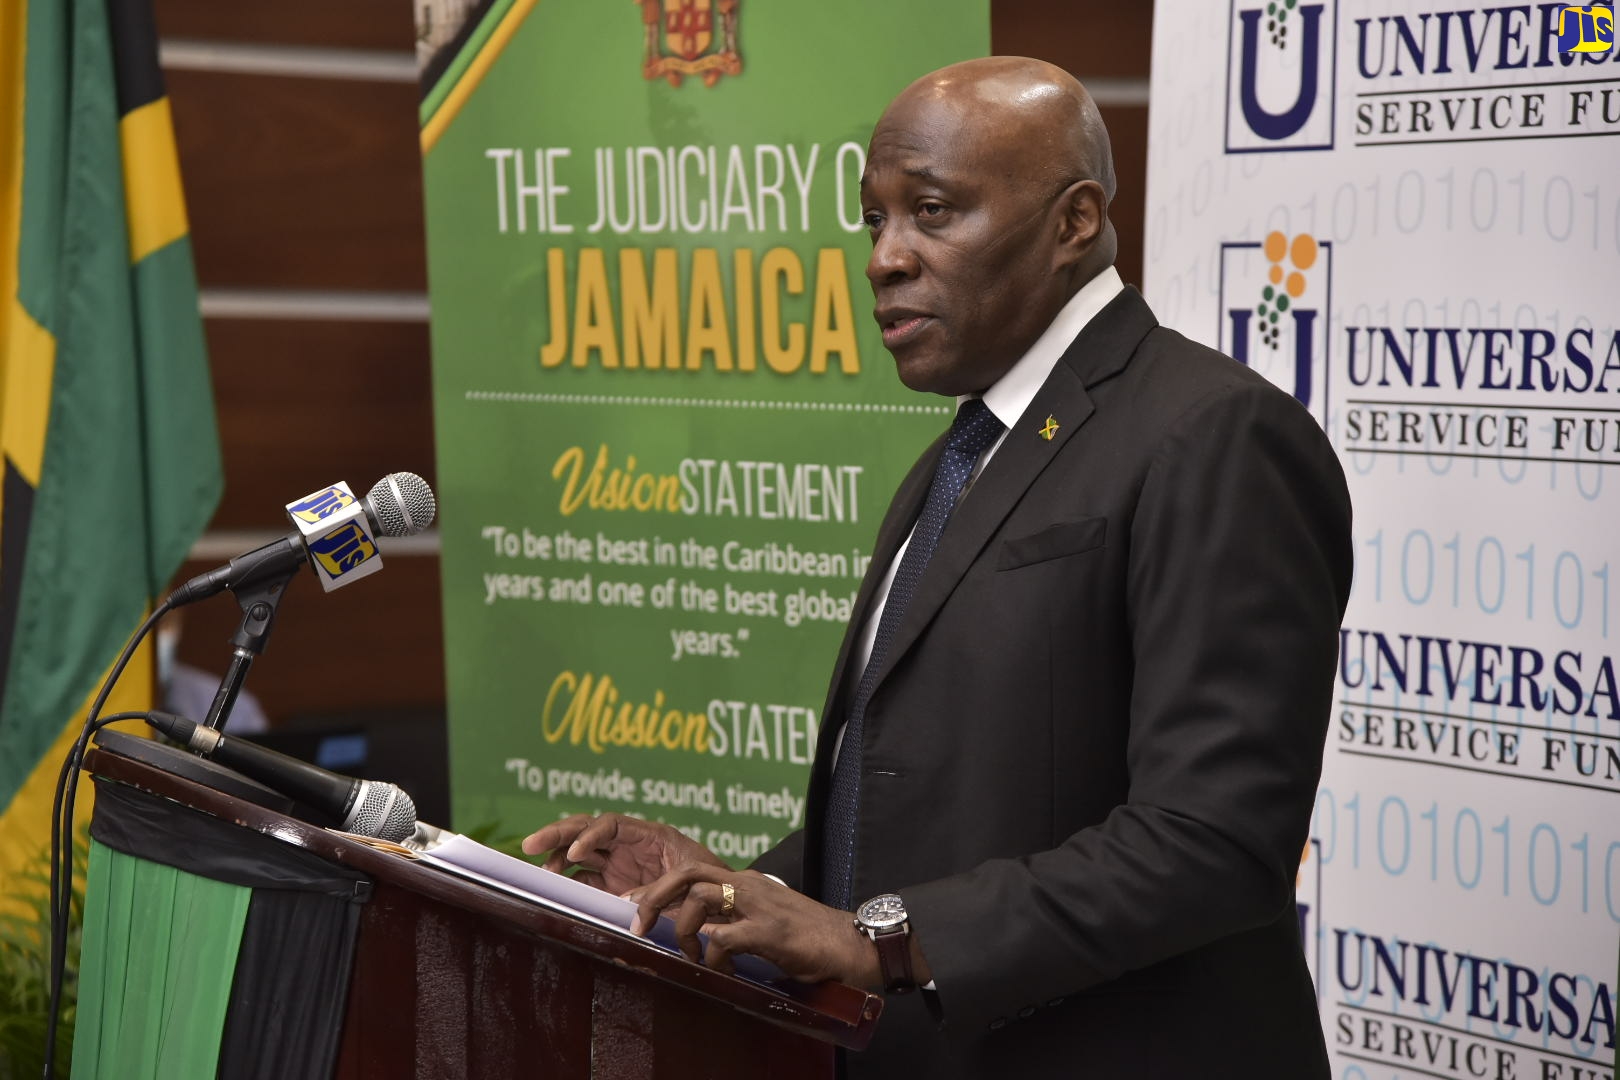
(883, 919)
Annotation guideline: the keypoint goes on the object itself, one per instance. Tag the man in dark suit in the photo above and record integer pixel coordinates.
(1075, 729)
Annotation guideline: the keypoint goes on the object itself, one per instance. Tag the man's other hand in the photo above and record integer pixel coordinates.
(809, 941)
(616, 853)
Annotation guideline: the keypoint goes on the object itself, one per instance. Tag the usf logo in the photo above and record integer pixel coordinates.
(343, 549)
(1274, 302)
(322, 504)
(1281, 67)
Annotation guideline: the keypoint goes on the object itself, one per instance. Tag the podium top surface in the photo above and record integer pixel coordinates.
(830, 1012)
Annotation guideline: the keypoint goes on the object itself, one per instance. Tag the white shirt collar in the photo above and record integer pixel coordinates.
(1012, 393)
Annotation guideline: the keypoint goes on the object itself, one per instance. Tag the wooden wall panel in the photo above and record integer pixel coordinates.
(301, 183)
(302, 404)
(1091, 38)
(1094, 39)
(352, 24)
(373, 645)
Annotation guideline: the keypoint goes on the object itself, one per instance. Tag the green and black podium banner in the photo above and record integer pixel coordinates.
(209, 949)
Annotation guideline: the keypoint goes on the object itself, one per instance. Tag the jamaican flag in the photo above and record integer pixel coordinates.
(111, 455)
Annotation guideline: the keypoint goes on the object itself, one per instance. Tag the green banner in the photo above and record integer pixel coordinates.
(667, 427)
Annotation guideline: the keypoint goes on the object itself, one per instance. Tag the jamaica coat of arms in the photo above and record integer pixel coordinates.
(681, 40)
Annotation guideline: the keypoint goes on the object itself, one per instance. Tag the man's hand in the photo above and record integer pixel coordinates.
(807, 940)
(616, 853)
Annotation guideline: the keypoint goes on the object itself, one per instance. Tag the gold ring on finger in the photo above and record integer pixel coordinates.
(728, 899)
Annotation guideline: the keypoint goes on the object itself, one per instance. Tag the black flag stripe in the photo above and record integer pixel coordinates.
(17, 497)
(138, 76)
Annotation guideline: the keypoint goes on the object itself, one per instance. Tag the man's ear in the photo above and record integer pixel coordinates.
(1085, 216)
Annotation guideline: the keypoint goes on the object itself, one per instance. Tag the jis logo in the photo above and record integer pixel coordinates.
(312, 508)
(341, 550)
(1586, 29)
(1275, 299)
(1281, 66)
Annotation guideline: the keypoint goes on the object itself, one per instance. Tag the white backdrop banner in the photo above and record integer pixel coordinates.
(1408, 215)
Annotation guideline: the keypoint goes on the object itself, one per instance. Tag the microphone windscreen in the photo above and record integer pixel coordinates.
(382, 811)
(402, 503)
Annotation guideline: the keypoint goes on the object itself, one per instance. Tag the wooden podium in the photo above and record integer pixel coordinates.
(455, 979)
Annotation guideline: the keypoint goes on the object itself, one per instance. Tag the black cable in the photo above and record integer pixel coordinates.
(61, 891)
(62, 839)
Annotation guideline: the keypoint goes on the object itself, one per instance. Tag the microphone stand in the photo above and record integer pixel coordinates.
(259, 600)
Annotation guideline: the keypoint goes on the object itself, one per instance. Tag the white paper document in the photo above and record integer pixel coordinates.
(460, 855)
(468, 858)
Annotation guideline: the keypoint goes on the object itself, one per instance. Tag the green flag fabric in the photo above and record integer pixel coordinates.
(110, 450)
(160, 949)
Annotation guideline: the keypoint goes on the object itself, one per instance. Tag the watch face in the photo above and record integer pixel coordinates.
(882, 912)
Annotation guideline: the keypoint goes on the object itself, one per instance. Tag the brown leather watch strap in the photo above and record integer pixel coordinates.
(894, 960)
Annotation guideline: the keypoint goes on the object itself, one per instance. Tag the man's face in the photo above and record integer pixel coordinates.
(964, 244)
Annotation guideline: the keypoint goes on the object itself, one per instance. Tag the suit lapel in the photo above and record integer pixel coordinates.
(897, 522)
(1100, 351)
(997, 490)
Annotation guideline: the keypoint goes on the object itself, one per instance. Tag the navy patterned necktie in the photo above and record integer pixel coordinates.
(974, 430)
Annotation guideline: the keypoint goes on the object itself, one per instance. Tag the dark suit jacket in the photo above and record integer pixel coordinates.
(1090, 766)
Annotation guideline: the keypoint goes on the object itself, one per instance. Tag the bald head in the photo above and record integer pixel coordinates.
(1035, 112)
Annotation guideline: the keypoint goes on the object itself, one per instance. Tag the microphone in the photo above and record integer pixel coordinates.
(334, 532)
(367, 807)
